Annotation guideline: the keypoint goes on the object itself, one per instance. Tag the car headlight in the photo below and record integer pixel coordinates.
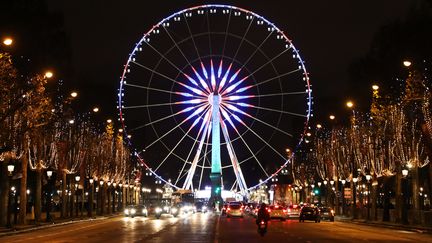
(158, 210)
(166, 208)
(204, 208)
(126, 211)
(174, 210)
(133, 211)
(144, 211)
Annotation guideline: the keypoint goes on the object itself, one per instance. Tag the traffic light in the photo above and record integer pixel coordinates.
(316, 191)
(217, 189)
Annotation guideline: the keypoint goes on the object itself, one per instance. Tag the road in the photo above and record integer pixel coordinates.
(212, 228)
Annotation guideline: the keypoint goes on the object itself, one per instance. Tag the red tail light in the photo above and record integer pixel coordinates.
(262, 222)
(289, 210)
(284, 211)
(228, 209)
(269, 210)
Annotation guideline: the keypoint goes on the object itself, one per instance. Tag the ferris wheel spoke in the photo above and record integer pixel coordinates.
(154, 71)
(282, 94)
(186, 161)
(204, 158)
(235, 109)
(256, 134)
(198, 111)
(226, 33)
(227, 116)
(269, 61)
(257, 49)
(188, 181)
(234, 161)
(166, 117)
(184, 136)
(277, 77)
(266, 108)
(192, 37)
(208, 33)
(164, 57)
(243, 38)
(149, 88)
(177, 46)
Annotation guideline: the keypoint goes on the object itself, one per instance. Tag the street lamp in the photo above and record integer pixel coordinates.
(332, 117)
(95, 109)
(407, 63)
(375, 87)
(7, 41)
(73, 94)
(49, 173)
(49, 74)
(404, 172)
(10, 169)
(319, 183)
(350, 104)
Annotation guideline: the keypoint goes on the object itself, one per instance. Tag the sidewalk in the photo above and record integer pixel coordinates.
(31, 226)
(391, 225)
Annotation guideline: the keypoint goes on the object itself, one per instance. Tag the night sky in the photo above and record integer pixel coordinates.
(329, 35)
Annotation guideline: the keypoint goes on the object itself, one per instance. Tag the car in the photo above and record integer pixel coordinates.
(201, 207)
(293, 211)
(327, 213)
(309, 213)
(277, 212)
(235, 210)
(136, 210)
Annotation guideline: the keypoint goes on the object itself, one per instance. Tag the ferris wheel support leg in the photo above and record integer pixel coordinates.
(216, 193)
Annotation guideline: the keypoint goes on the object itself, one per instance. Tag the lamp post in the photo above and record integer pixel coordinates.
(91, 198)
(48, 199)
(101, 197)
(354, 197)
(10, 169)
(77, 179)
(404, 194)
(343, 181)
(368, 178)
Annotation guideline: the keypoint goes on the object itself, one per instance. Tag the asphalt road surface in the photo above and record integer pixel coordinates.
(212, 228)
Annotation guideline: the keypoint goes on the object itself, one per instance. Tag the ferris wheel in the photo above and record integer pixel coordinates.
(214, 93)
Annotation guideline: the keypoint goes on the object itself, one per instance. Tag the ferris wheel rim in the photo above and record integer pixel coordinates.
(308, 115)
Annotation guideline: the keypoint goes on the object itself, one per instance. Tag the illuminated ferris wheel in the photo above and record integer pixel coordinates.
(213, 95)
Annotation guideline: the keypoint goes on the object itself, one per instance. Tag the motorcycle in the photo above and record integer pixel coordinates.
(262, 227)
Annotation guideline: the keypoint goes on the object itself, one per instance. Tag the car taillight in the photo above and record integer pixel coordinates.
(284, 211)
(262, 222)
(269, 210)
(228, 209)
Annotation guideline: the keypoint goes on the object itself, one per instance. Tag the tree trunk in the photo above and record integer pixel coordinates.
(415, 196)
(23, 191)
(102, 191)
(64, 195)
(90, 200)
(336, 197)
(374, 200)
(109, 200)
(38, 196)
(4, 195)
(124, 197)
(399, 207)
(353, 199)
(386, 211)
